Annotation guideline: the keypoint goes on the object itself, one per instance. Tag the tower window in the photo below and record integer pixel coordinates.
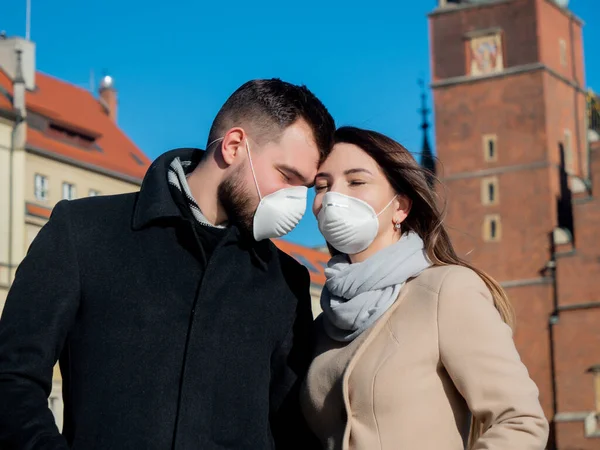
(490, 151)
(595, 370)
(563, 52)
(568, 151)
(489, 191)
(491, 228)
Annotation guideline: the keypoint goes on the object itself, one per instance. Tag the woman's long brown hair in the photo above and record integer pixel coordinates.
(426, 218)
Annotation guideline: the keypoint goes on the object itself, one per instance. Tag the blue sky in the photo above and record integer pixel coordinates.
(176, 62)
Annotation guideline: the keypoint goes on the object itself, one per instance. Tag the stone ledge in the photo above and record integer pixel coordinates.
(525, 282)
(583, 200)
(514, 70)
(578, 306)
(591, 427)
(454, 8)
(571, 416)
(565, 253)
(497, 171)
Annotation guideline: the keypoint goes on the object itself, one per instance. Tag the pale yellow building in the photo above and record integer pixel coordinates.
(57, 141)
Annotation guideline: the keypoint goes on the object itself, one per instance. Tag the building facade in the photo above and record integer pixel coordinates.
(515, 143)
(57, 141)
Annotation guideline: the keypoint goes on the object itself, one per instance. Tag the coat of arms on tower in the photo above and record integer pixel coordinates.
(486, 54)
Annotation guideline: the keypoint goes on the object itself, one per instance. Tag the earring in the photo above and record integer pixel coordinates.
(397, 226)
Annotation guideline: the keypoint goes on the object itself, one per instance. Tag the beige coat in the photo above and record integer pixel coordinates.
(410, 381)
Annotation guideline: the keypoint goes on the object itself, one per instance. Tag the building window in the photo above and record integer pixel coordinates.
(563, 52)
(491, 228)
(68, 191)
(489, 191)
(490, 150)
(486, 55)
(568, 152)
(41, 187)
(94, 193)
(595, 370)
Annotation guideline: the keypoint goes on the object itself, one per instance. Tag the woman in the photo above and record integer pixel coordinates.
(415, 348)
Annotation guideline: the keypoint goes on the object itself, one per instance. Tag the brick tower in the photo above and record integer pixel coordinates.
(512, 140)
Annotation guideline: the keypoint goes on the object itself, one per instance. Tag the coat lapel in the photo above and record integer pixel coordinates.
(373, 334)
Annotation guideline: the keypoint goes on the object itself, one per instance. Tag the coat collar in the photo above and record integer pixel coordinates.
(155, 202)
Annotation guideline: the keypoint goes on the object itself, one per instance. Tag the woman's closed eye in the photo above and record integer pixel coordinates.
(356, 183)
(320, 186)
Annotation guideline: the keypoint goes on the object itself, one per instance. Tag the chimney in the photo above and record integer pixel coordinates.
(108, 96)
(19, 86)
(8, 62)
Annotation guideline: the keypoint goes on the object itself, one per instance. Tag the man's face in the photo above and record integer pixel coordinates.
(292, 161)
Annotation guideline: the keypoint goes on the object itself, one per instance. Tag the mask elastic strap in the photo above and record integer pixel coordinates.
(387, 206)
(216, 140)
(252, 169)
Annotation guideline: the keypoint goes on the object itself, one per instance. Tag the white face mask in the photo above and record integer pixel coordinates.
(277, 213)
(350, 225)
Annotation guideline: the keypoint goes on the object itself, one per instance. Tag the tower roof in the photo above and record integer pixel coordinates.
(427, 158)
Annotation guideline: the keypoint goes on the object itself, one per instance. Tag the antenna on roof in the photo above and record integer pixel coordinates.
(92, 81)
(28, 20)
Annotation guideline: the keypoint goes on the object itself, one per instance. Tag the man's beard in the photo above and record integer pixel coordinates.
(236, 201)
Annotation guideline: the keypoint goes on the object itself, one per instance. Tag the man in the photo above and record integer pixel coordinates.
(176, 322)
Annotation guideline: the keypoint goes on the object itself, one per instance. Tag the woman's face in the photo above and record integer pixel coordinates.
(349, 170)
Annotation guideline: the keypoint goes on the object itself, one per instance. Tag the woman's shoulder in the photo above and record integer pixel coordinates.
(438, 279)
(443, 288)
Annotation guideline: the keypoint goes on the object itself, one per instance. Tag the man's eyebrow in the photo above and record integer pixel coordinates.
(293, 171)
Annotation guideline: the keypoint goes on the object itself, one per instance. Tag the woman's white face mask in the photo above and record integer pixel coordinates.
(349, 224)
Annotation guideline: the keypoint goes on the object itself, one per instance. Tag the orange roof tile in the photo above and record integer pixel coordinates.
(37, 210)
(77, 109)
(4, 81)
(4, 103)
(314, 260)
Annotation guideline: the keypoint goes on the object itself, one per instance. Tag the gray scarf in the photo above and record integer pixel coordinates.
(356, 295)
(177, 176)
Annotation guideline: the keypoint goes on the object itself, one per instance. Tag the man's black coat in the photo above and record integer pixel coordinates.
(161, 346)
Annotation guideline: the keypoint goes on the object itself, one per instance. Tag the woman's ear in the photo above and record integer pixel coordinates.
(403, 204)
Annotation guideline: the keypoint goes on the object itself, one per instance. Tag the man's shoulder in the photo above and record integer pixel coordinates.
(295, 274)
(289, 263)
(107, 209)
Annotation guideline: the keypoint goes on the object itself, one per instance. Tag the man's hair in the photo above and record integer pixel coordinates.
(268, 107)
